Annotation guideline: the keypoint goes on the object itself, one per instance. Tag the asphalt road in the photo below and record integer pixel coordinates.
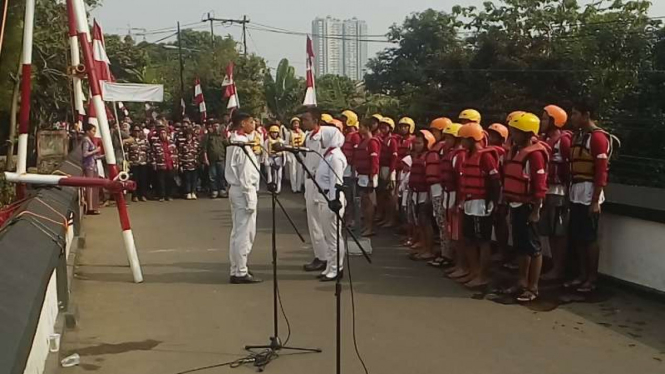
(409, 318)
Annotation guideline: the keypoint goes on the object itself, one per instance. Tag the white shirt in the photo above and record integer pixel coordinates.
(312, 160)
(241, 171)
(330, 174)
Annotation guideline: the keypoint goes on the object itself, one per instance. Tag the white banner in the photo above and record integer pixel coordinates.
(132, 92)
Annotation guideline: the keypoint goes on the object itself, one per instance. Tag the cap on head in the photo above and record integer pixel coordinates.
(527, 122)
(452, 129)
(560, 116)
(470, 115)
(500, 129)
(473, 131)
(408, 121)
(351, 118)
(388, 121)
(440, 123)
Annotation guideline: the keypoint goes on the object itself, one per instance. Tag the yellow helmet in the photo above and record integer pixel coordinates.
(378, 117)
(453, 129)
(351, 118)
(273, 128)
(389, 121)
(408, 121)
(294, 119)
(527, 122)
(327, 118)
(471, 115)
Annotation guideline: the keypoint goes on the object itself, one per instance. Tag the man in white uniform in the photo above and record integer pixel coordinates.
(243, 179)
(329, 176)
(311, 121)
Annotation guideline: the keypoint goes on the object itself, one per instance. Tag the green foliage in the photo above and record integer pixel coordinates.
(523, 54)
(284, 92)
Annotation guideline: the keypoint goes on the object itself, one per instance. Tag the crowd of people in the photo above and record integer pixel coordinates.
(469, 185)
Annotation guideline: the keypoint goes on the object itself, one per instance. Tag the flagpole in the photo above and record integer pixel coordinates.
(75, 58)
(26, 87)
(96, 99)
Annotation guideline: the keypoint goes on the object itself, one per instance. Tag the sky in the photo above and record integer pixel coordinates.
(116, 16)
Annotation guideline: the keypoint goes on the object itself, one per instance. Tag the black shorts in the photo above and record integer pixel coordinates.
(554, 216)
(583, 225)
(526, 238)
(478, 229)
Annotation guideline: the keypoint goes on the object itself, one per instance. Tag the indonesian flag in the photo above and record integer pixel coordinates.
(199, 100)
(310, 94)
(99, 54)
(230, 92)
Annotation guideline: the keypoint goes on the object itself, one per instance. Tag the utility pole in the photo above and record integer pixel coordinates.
(212, 30)
(244, 21)
(182, 64)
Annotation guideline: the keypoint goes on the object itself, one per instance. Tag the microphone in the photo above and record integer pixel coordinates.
(289, 148)
(240, 144)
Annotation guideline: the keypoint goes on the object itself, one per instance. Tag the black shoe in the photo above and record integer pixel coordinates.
(320, 276)
(247, 279)
(315, 265)
(326, 278)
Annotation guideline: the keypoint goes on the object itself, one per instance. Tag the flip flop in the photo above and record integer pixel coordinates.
(527, 296)
(588, 289)
(572, 283)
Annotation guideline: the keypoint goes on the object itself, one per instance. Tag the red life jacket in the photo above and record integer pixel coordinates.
(404, 147)
(361, 158)
(473, 181)
(351, 140)
(433, 157)
(386, 154)
(448, 173)
(517, 183)
(557, 164)
(417, 179)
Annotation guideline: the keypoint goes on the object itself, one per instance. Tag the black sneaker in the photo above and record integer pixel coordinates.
(315, 265)
(247, 279)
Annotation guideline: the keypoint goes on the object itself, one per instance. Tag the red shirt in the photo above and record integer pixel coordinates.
(167, 155)
(538, 175)
(374, 150)
(600, 146)
(489, 166)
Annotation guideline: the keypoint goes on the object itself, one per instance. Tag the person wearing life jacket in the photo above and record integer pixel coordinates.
(480, 187)
(451, 166)
(554, 215)
(385, 212)
(591, 149)
(524, 188)
(351, 140)
(375, 121)
(311, 122)
(405, 128)
(296, 173)
(434, 177)
(366, 163)
(422, 247)
(275, 161)
(498, 135)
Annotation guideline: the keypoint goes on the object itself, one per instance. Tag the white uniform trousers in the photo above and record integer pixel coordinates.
(243, 232)
(313, 221)
(331, 230)
(296, 173)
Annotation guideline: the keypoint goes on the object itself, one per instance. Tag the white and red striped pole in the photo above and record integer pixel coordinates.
(75, 61)
(122, 183)
(26, 87)
(83, 30)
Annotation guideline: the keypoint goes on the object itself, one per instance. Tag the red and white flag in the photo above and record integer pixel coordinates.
(310, 94)
(230, 91)
(199, 100)
(99, 54)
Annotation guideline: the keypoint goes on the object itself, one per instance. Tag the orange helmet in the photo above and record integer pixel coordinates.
(560, 116)
(472, 130)
(429, 138)
(440, 123)
(499, 128)
(514, 114)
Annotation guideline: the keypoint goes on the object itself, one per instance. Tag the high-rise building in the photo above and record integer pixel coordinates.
(339, 47)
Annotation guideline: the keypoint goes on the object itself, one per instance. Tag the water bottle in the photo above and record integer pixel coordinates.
(71, 361)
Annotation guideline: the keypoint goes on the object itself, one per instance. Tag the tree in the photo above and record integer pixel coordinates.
(336, 93)
(284, 93)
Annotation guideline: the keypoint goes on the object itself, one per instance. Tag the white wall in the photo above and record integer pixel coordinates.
(40, 343)
(633, 250)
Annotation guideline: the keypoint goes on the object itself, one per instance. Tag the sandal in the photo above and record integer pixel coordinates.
(527, 296)
(572, 283)
(513, 290)
(587, 288)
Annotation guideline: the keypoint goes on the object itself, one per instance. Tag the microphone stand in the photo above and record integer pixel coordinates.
(275, 342)
(338, 280)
